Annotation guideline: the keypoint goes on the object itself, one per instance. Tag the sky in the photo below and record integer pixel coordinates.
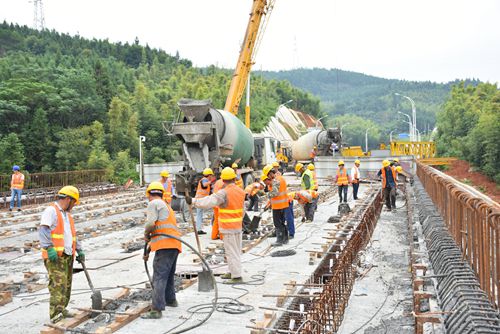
(424, 40)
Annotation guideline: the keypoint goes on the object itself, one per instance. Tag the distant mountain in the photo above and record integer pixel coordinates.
(351, 93)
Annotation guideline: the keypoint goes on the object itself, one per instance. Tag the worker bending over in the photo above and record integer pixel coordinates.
(306, 199)
(342, 179)
(355, 176)
(203, 190)
(278, 197)
(168, 186)
(389, 184)
(252, 191)
(59, 247)
(230, 201)
(160, 219)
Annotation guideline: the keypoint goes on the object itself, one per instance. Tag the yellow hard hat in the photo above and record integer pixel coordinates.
(228, 174)
(396, 159)
(263, 177)
(341, 162)
(164, 173)
(70, 191)
(399, 169)
(265, 171)
(208, 171)
(310, 167)
(234, 165)
(298, 167)
(357, 162)
(276, 164)
(155, 188)
(385, 163)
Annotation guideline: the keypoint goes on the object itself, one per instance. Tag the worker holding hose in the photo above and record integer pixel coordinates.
(389, 184)
(230, 201)
(59, 247)
(161, 222)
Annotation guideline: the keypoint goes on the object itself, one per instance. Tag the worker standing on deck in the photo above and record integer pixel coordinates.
(218, 185)
(395, 162)
(279, 202)
(342, 179)
(355, 176)
(239, 179)
(276, 167)
(314, 153)
(168, 186)
(389, 184)
(289, 217)
(203, 190)
(230, 201)
(59, 247)
(252, 192)
(16, 187)
(315, 184)
(161, 219)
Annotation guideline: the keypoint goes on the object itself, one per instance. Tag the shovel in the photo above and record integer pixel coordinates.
(96, 295)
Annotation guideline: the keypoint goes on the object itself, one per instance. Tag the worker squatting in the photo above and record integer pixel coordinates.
(225, 196)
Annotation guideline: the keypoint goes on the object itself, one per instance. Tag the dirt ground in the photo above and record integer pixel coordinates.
(461, 170)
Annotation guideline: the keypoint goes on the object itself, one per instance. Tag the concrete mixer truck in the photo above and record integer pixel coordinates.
(322, 139)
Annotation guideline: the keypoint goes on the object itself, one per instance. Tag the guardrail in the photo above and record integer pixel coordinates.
(474, 223)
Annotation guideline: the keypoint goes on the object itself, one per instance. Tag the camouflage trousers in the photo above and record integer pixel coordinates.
(60, 278)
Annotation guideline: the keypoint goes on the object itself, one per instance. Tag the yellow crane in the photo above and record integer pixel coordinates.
(259, 16)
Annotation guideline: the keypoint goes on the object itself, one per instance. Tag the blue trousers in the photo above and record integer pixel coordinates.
(16, 193)
(199, 218)
(163, 277)
(290, 219)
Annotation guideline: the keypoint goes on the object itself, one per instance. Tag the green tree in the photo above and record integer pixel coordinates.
(11, 152)
(38, 142)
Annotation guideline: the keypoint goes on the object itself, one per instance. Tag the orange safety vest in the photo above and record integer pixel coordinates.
(312, 155)
(218, 185)
(200, 191)
(356, 175)
(384, 177)
(231, 217)
(281, 200)
(167, 194)
(58, 234)
(168, 226)
(239, 181)
(303, 199)
(315, 180)
(342, 179)
(253, 188)
(17, 181)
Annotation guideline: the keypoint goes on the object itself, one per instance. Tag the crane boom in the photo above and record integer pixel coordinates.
(247, 53)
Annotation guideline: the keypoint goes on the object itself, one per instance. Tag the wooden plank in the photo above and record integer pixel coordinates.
(5, 297)
(81, 317)
(123, 320)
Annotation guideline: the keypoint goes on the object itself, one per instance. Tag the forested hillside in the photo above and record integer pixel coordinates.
(371, 99)
(70, 103)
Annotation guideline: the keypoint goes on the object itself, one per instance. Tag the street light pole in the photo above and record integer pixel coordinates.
(410, 126)
(141, 164)
(282, 105)
(413, 111)
(390, 135)
(366, 138)
(342, 127)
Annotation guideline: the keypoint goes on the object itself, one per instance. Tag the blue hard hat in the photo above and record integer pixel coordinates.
(16, 167)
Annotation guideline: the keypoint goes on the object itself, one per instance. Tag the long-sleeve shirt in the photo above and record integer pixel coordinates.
(275, 185)
(218, 199)
(48, 223)
(157, 211)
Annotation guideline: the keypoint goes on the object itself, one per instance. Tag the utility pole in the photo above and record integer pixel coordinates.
(141, 164)
(38, 16)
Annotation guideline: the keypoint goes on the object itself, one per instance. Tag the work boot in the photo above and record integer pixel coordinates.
(173, 303)
(10, 209)
(19, 210)
(201, 232)
(68, 314)
(153, 314)
(58, 317)
(226, 276)
(236, 280)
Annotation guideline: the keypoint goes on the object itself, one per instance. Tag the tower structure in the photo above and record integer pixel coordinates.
(38, 17)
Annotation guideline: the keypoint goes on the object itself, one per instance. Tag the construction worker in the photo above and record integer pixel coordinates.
(279, 202)
(168, 186)
(161, 219)
(289, 217)
(252, 192)
(389, 184)
(355, 176)
(314, 153)
(16, 187)
(395, 162)
(342, 179)
(203, 190)
(231, 201)
(59, 247)
(315, 184)
(239, 180)
(276, 167)
(218, 185)
(306, 199)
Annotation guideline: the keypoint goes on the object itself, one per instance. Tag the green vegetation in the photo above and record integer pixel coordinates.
(70, 103)
(469, 127)
(348, 94)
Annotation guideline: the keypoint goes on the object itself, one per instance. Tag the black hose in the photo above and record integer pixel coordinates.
(206, 267)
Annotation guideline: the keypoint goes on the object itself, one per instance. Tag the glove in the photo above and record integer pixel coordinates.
(189, 199)
(81, 256)
(51, 251)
